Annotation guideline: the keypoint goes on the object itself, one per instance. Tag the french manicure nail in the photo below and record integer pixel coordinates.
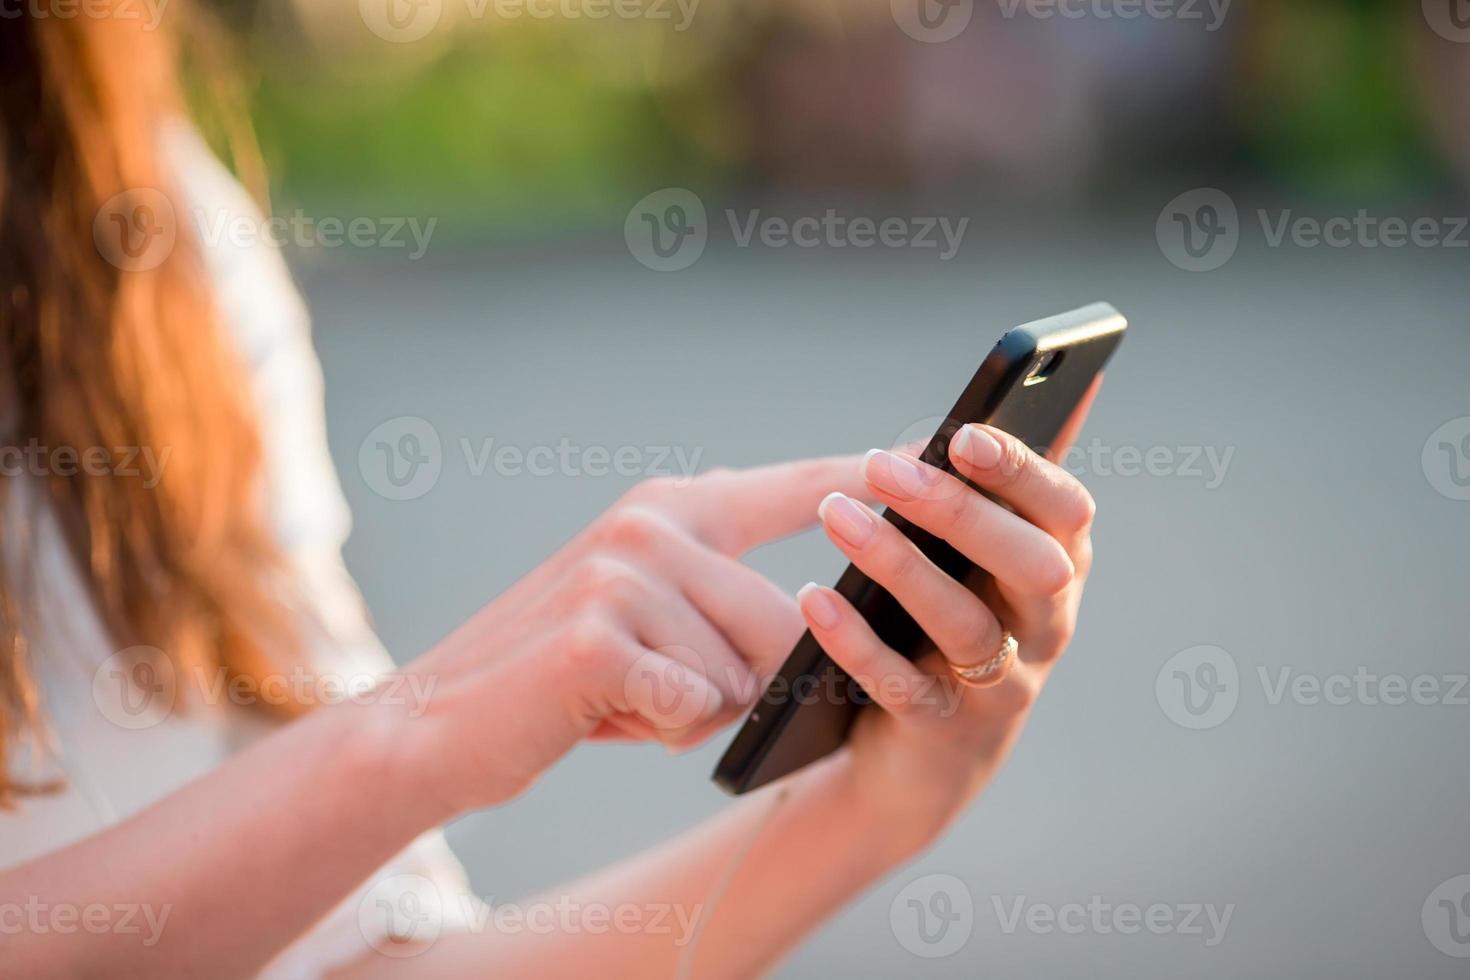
(818, 605)
(893, 474)
(977, 447)
(847, 519)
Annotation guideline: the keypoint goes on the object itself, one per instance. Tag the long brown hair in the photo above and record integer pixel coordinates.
(93, 355)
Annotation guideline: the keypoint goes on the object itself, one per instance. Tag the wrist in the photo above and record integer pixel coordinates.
(383, 750)
(906, 812)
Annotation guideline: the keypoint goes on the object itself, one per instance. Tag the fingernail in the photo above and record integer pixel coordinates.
(817, 604)
(977, 447)
(893, 474)
(846, 519)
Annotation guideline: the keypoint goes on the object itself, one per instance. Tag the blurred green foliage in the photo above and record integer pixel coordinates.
(514, 135)
(535, 130)
(1331, 104)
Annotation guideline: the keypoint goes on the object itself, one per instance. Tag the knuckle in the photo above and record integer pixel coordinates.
(1082, 556)
(1059, 635)
(715, 474)
(1018, 695)
(975, 629)
(650, 491)
(901, 565)
(1054, 571)
(957, 509)
(901, 703)
(636, 529)
(816, 473)
(588, 645)
(1065, 631)
(1078, 509)
(603, 579)
(1016, 462)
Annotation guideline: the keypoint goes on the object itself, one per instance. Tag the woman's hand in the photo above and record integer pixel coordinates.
(936, 741)
(645, 625)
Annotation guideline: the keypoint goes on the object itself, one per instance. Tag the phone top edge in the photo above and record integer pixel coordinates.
(1090, 322)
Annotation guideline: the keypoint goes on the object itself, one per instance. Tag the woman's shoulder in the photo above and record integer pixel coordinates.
(255, 296)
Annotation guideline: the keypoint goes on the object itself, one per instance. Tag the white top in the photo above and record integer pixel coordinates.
(116, 761)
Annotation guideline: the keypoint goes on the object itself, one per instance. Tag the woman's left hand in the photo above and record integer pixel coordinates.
(936, 741)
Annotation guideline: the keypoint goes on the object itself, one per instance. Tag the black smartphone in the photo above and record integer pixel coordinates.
(1028, 385)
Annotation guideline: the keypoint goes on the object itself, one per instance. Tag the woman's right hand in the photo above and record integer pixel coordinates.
(645, 625)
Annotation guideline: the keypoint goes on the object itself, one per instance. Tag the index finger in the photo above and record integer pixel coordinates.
(734, 511)
(1035, 487)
